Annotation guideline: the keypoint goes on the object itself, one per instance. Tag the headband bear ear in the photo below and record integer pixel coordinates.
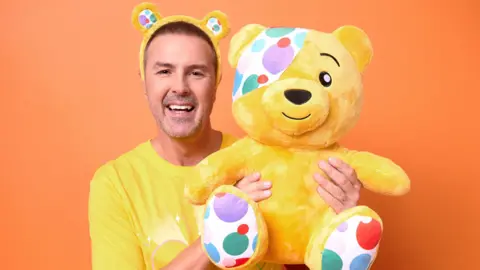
(216, 22)
(144, 16)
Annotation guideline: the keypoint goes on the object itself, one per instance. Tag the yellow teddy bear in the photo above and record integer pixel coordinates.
(296, 93)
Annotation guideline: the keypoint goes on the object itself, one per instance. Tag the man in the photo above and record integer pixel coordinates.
(138, 216)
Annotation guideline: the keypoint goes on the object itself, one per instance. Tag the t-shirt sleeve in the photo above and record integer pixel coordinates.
(114, 244)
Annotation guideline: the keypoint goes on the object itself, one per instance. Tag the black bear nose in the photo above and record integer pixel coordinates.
(298, 96)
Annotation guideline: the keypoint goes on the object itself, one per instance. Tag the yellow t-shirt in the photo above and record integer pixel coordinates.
(138, 216)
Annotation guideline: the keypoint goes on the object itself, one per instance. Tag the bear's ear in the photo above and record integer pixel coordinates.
(240, 40)
(357, 43)
(144, 16)
(217, 23)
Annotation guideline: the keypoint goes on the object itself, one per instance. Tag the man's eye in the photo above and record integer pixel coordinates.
(197, 73)
(163, 71)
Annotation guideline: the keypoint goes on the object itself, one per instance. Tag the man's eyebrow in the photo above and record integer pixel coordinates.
(198, 66)
(332, 57)
(163, 64)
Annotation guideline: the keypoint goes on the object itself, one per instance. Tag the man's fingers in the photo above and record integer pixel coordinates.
(252, 177)
(339, 178)
(344, 168)
(260, 195)
(330, 187)
(336, 205)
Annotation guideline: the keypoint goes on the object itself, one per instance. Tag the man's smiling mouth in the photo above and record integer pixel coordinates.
(294, 118)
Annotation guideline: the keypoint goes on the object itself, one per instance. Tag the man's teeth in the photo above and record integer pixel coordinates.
(180, 108)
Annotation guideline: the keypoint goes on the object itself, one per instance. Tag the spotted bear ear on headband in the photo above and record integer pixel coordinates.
(216, 22)
(144, 16)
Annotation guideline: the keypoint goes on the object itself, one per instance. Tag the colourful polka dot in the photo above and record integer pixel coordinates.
(216, 28)
(369, 234)
(254, 244)
(230, 208)
(237, 81)
(207, 212)
(283, 42)
(262, 79)
(278, 31)
(277, 59)
(331, 260)
(242, 229)
(212, 20)
(143, 20)
(241, 261)
(147, 12)
(228, 262)
(212, 252)
(342, 227)
(235, 244)
(300, 39)
(153, 19)
(250, 84)
(361, 262)
(258, 45)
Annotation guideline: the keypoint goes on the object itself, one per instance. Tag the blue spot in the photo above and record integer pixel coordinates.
(212, 20)
(361, 262)
(212, 252)
(207, 212)
(147, 12)
(299, 39)
(148, 26)
(237, 81)
(254, 244)
(258, 45)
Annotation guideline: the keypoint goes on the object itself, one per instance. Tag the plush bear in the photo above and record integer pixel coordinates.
(296, 93)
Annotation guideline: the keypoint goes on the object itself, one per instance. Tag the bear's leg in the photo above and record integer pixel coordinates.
(234, 231)
(347, 241)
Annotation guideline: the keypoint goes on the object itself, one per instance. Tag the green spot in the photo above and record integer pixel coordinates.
(250, 84)
(153, 19)
(331, 260)
(216, 28)
(235, 244)
(278, 32)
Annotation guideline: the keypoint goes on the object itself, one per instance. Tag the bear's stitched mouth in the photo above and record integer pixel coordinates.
(294, 118)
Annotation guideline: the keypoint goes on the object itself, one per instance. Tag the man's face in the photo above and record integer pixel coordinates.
(180, 83)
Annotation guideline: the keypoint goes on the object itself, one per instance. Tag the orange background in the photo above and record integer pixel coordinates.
(71, 99)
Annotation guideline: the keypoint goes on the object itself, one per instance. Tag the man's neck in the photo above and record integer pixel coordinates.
(187, 152)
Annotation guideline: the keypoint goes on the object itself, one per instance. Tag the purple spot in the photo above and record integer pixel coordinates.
(277, 59)
(342, 227)
(143, 19)
(230, 208)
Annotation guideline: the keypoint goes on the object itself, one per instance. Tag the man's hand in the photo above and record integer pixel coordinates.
(256, 189)
(343, 191)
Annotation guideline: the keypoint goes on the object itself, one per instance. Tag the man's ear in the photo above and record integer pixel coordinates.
(357, 42)
(240, 40)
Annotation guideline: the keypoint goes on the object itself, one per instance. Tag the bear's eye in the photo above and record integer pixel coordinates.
(325, 78)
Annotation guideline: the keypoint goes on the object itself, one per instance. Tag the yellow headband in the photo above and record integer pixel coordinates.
(147, 19)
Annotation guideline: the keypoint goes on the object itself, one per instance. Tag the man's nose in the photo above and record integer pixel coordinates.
(180, 85)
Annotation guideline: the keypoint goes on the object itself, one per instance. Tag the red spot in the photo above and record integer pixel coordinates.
(262, 79)
(218, 22)
(241, 261)
(220, 194)
(369, 234)
(284, 42)
(147, 21)
(242, 229)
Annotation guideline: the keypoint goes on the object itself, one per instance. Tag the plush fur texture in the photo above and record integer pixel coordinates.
(297, 92)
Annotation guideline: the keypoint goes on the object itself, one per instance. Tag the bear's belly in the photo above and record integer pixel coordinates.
(290, 213)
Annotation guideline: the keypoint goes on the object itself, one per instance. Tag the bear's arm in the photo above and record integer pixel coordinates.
(376, 173)
(224, 167)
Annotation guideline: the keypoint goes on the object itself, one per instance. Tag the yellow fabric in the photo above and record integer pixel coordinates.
(147, 20)
(138, 216)
(269, 63)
